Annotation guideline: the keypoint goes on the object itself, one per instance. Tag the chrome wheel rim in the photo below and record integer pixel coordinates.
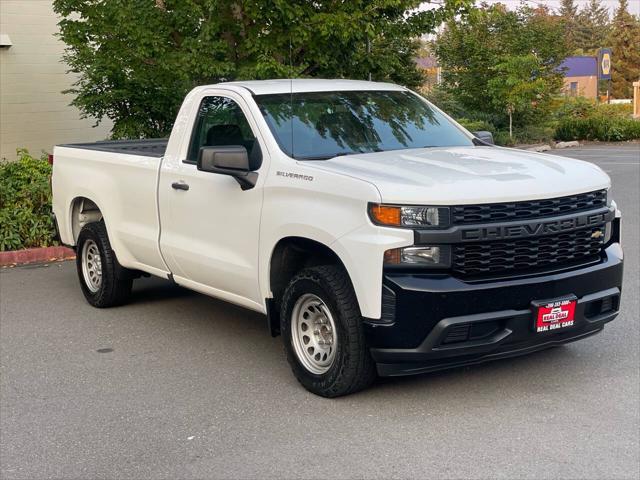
(91, 266)
(313, 334)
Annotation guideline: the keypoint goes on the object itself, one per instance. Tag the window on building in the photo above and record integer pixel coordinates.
(573, 89)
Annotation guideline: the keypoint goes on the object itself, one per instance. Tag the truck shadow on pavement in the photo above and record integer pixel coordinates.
(229, 330)
(157, 289)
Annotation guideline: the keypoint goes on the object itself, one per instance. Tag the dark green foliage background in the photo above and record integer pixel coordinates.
(138, 58)
(580, 119)
(25, 203)
(495, 58)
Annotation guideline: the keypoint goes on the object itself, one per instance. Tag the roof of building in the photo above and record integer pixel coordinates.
(298, 85)
(579, 66)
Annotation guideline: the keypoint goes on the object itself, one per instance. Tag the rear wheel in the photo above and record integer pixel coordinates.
(322, 331)
(104, 282)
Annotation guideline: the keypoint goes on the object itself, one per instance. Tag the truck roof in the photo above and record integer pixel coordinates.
(299, 85)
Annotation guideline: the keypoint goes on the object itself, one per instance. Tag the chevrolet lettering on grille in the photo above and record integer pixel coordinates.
(499, 232)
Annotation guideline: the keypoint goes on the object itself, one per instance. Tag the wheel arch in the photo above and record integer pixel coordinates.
(288, 256)
(82, 210)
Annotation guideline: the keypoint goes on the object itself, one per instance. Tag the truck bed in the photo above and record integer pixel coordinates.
(153, 147)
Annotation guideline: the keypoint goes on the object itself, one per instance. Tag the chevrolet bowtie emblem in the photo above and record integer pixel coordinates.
(597, 234)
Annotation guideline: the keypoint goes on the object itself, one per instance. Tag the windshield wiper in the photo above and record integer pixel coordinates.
(326, 157)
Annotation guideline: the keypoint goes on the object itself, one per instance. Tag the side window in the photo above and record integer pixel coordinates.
(220, 122)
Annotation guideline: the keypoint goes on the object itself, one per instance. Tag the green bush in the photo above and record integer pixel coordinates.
(536, 133)
(25, 203)
(620, 110)
(582, 119)
(503, 139)
(574, 107)
(476, 125)
(603, 128)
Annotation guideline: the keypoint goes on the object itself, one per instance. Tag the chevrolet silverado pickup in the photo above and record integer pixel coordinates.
(377, 235)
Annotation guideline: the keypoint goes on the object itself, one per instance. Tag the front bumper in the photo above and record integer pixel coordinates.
(438, 321)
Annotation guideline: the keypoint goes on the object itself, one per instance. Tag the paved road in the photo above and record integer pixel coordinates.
(178, 385)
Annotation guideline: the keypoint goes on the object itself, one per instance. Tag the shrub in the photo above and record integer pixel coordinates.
(476, 125)
(503, 139)
(621, 110)
(582, 119)
(574, 107)
(535, 133)
(607, 129)
(25, 203)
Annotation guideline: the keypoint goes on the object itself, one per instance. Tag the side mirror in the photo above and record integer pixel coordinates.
(484, 137)
(230, 160)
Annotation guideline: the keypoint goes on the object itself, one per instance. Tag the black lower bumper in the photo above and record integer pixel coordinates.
(438, 321)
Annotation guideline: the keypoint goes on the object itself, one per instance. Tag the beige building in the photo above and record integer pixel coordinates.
(580, 76)
(582, 86)
(33, 112)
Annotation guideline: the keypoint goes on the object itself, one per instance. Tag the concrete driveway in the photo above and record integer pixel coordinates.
(178, 385)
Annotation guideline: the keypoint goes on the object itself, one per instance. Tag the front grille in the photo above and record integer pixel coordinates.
(478, 259)
(513, 211)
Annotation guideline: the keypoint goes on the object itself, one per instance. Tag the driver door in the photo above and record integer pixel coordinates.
(209, 225)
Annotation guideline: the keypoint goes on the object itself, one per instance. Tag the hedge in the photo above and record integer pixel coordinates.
(608, 129)
(25, 203)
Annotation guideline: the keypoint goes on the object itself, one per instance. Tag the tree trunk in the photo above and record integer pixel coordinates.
(510, 123)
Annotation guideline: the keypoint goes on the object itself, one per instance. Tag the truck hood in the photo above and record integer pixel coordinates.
(467, 175)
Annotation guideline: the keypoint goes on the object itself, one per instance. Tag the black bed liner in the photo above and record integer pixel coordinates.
(153, 147)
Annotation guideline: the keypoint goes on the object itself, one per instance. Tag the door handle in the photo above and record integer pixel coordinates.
(180, 186)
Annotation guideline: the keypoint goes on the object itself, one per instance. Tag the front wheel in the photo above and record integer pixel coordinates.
(322, 331)
(104, 282)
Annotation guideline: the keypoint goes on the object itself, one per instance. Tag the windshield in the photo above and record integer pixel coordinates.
(328, 124)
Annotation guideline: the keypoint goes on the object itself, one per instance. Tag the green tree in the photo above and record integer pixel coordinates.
(136, 59)
(569, 15)
(489, 56)
(625, 45)
(592, 27)
(517, 86)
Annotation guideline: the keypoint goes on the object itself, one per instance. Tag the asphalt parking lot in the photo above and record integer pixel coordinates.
(179, 385)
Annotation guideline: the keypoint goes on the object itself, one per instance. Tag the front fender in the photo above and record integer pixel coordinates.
(361, 251)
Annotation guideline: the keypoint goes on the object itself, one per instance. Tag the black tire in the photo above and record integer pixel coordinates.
(353, 368)
(116, 282)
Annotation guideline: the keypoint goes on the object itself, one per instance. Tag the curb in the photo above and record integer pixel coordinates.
(35, 255)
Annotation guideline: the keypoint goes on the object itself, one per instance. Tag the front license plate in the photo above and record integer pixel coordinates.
(554, 315)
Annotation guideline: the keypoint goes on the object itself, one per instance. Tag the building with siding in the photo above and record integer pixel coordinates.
(33, 112)
(580, 76)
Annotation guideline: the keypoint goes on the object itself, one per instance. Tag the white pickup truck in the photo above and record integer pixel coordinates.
(376, 234)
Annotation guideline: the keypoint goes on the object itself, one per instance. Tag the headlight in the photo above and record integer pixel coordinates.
(422, 256)
(409, 216)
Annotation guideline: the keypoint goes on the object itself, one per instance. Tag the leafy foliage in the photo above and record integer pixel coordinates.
(138, 58)
(500, 61)
(626, 51)
(604, 128)
(570, 21)
(575, 107)
(591, 28)
(519, 85)
(582, 119)
(25, 203)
